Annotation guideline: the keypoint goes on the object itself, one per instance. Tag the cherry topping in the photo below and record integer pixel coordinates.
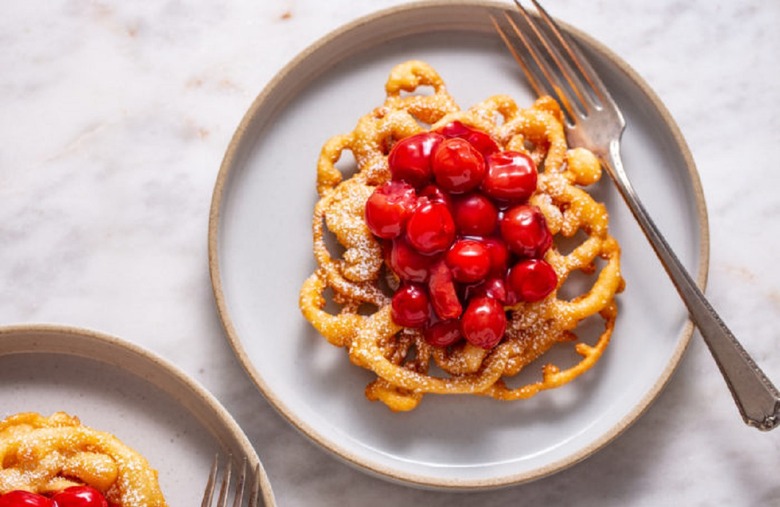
(511, 176)
(475, 215)
(484, 322)
(532, 280)
(451, 221)
(443, 333)
(410, 306)
(406, 262)
(458, 166)
(431, 228)
(498, 254)
(469, 261)
(80, 496)
(20, 498)
(410, 158)
(480, 140)
(492, 287)
(444, 295)
(389, 207)
(435, 194)
(525, 231)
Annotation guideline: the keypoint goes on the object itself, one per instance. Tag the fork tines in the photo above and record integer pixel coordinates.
(254, 492)
(551, 62)
(238, 486)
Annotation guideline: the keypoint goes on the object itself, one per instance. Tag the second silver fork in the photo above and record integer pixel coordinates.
(228, 488)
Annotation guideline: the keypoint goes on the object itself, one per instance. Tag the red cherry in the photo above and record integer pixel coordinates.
(435, 194)
(410, 158)
(498, 254)
(410, 306)
(484, 322)
(429, 209)
(430, 229)
(443, 334)
(475, 215)
(469, 261)
(455, 129)
(492, 287)
(532, 280)
(457, 166)
(80, 496)
(480, 140)
(389, 207)
(406, 262)
(511, 176)
(525, 231)
(20, 498)
(444, 295)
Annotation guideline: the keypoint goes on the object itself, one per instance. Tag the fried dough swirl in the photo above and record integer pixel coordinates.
(48, 454)
(356, 278)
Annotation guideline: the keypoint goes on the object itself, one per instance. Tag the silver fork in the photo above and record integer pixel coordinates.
(555, 66)
(224, 488)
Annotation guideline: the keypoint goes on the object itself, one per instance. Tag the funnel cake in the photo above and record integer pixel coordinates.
(416, 301)
(49, 455)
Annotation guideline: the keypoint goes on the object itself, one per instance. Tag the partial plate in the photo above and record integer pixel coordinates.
(120, 388)
(260, 253)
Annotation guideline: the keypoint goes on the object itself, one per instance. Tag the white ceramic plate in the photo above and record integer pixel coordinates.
(117, 387)
(260, 253)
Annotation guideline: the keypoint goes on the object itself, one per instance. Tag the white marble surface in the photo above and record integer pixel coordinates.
(115, 117)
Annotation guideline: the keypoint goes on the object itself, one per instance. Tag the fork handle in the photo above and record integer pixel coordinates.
(757, 399)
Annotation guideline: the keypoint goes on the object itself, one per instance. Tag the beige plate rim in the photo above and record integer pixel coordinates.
(319, 49)
(111, 350)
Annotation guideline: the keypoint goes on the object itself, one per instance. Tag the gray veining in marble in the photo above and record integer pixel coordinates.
(114, 119)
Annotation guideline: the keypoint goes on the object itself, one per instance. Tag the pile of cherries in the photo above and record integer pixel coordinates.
(458, 231)
(74, 496)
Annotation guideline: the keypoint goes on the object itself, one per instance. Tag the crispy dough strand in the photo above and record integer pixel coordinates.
(400, 358)
(48, 454)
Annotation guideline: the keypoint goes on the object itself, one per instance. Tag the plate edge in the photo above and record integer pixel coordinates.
(17, 334)
(416, 480)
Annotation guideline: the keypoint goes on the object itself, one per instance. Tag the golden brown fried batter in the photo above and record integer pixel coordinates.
(48, 454)
(402, 360)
